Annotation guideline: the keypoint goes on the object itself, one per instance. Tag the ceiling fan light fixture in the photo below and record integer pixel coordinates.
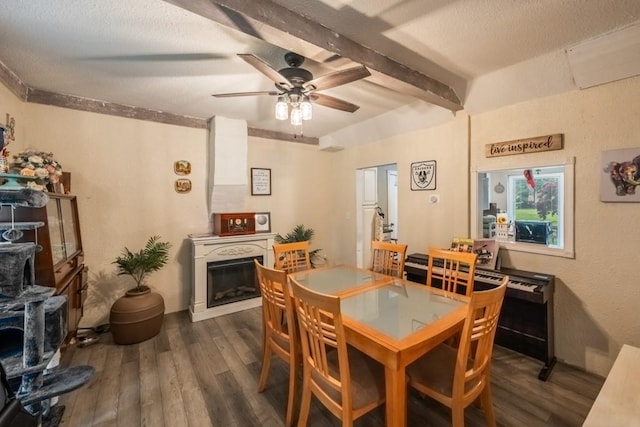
(296, 116)
(282, 109)
(305, 109)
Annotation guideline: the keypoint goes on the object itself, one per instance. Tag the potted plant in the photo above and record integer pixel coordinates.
(299, 234)
(138, 314)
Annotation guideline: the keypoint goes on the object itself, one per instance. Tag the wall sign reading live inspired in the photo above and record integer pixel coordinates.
(523, 146)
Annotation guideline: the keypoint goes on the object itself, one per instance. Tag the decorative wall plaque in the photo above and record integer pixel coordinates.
(524, 146)
(183, 185)
(423, 175)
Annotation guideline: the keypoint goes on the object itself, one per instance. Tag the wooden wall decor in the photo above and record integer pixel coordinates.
(525, 146)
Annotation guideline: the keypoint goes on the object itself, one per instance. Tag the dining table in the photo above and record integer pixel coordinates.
(392, 320)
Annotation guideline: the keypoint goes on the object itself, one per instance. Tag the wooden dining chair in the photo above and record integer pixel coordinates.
(456, 377)
(388, 258)
(292, 257)
(453, 270)
(347, 382)
(279, 337)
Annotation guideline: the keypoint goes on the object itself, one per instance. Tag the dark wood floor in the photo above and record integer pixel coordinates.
(205, 374)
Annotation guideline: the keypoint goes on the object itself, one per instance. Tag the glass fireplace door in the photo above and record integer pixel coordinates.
(232, 280)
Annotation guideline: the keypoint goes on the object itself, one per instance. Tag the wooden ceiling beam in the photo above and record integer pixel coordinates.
(287, 29)
(37, 96)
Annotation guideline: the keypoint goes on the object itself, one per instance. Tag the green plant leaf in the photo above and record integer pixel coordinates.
(140, 264)
(299, 234)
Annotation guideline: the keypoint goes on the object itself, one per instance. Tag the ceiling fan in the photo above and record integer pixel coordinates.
(296, 85)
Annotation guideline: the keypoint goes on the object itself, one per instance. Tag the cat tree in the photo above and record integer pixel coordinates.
(32, 320)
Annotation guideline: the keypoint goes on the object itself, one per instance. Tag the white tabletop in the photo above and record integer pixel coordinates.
(618, 403)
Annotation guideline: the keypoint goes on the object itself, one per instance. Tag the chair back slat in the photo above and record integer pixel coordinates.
(388, 258)
(275, 298)
(476, 342)
(292, 257)
(453, 270)
(279, 330)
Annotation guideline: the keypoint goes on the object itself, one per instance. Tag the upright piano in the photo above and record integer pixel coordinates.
(526, 320)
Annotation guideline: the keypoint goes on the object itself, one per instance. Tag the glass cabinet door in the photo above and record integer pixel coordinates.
(68, 227)
(55, 231)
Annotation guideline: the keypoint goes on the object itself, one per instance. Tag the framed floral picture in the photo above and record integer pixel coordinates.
(263, 222)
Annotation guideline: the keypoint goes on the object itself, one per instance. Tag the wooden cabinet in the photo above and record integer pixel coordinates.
(60, 262)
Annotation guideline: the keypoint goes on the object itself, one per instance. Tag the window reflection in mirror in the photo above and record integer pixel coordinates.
(526, 209)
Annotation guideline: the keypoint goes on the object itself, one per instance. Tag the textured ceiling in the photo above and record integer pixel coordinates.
(152, 54)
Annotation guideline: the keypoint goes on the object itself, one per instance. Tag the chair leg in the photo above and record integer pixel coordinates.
(266, 365)
(457, 415)
(347, 418)
(487, 406)
(292, 391)
(305, 401)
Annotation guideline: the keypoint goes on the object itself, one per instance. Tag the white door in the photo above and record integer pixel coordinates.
(366, 204)
(370, 186)
(392, 201)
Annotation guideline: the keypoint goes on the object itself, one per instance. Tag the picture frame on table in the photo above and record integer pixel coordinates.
(263, 222)
(260, 182)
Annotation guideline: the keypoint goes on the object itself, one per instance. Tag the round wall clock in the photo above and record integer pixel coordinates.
(499, 188)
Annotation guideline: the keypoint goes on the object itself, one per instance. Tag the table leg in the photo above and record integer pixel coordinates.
(396, 391)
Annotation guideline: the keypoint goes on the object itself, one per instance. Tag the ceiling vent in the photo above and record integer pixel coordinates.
(607, 58)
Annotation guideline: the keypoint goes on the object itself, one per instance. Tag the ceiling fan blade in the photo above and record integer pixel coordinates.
(331, 102)
(266, 69)
(337, 78)
(161, 57)
(228, 95)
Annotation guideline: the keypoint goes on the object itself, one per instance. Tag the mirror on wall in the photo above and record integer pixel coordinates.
(526, 208)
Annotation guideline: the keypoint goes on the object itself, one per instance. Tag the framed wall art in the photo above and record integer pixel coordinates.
(620, 175)
(263, 222)
(423, 175)
(182, 167)
(182, 185)
(260, 182)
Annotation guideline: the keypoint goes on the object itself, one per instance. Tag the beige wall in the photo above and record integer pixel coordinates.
(301, 190)
(10, 104)
(597, 293)
(122, 173)
(421, 223)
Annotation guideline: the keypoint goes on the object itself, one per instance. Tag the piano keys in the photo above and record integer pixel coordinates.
(526, 320)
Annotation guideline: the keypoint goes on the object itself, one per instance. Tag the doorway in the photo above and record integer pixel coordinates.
(376, 193)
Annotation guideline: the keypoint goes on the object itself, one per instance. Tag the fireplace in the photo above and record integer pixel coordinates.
(232, 280)
(223, 273)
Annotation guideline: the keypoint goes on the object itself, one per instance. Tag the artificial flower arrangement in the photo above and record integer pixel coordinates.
(39, 164)
(4, 153)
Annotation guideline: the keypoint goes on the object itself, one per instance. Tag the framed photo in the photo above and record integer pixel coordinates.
(182, 167)
(260, 182)
(423, 175)
(263, 222)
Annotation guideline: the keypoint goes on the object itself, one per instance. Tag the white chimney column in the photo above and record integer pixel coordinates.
(228, 173)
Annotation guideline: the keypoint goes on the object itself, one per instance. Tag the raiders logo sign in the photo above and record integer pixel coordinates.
(423, 175)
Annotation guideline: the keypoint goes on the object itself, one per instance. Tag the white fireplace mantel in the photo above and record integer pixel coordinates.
(211, 248)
